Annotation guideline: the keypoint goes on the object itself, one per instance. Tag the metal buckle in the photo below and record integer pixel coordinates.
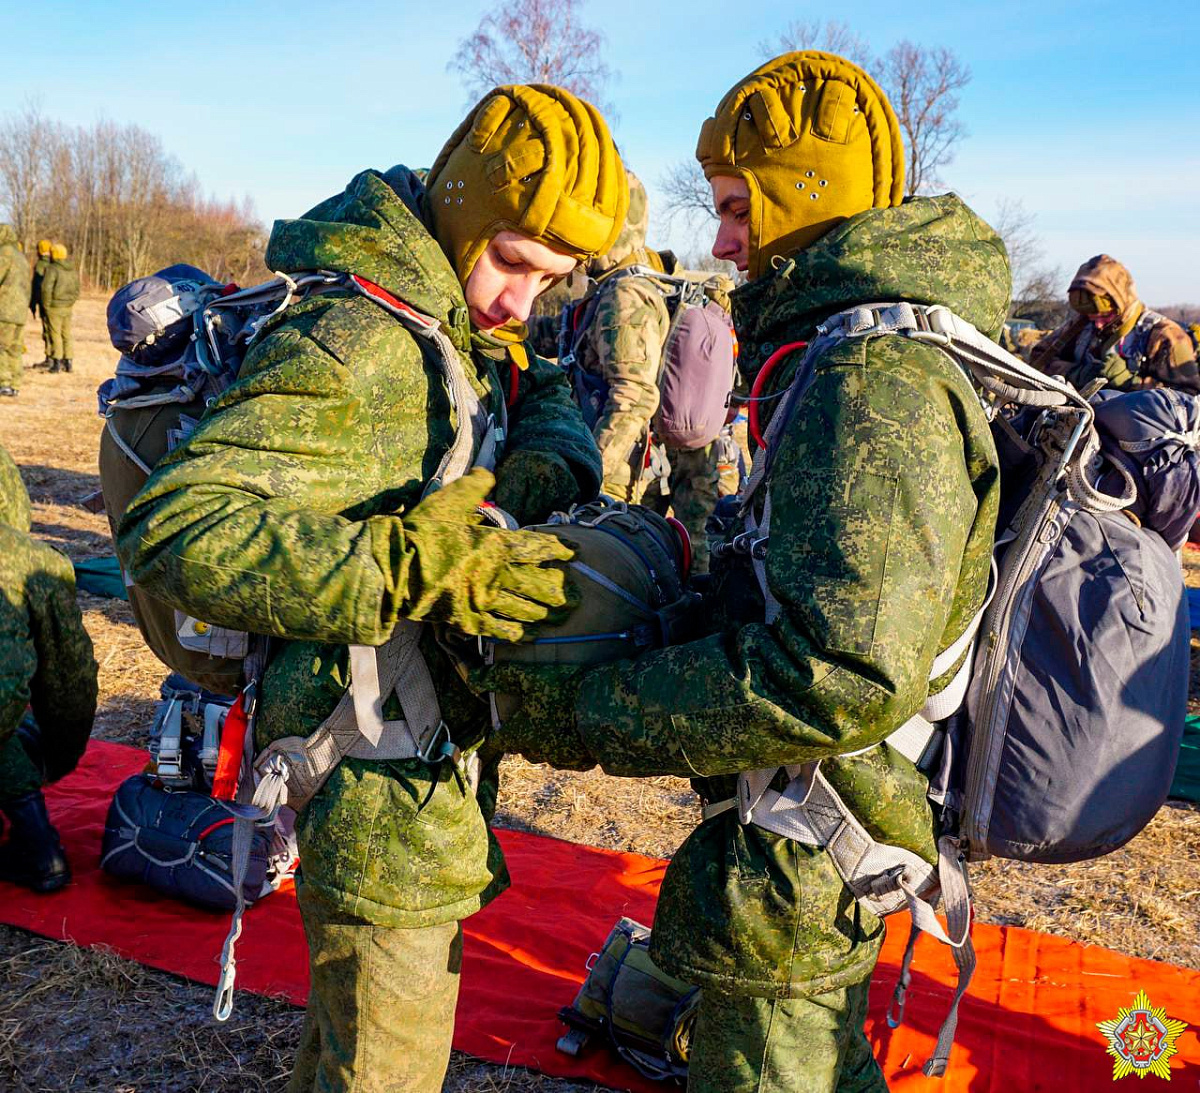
(440, 747)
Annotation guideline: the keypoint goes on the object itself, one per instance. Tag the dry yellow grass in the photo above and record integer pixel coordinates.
(1142, 900)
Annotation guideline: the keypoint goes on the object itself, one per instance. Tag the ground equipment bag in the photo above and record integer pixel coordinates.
(631, 567)
(646, 1015)
(696, 370)
(1154, 435)
(1075, 700)
(180, 843)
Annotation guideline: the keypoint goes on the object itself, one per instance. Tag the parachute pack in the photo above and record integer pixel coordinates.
(696, 369)
(646, 1015)
(1033, 751)
(632, 566)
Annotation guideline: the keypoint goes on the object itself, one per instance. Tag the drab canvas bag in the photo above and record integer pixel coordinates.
(696, 370)
(631, 567)
(1056, 756)
(646, 1015)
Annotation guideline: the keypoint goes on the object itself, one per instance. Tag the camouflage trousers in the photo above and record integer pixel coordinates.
(694, 484)
(58, 322)
(12, 349)
(47, 341)
(380, 1011)
(793, 1045)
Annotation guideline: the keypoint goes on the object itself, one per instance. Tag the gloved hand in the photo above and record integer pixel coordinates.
(542, 728)
(481, 579)
(530, 485)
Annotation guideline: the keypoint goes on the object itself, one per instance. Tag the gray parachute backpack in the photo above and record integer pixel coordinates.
(1033, 751)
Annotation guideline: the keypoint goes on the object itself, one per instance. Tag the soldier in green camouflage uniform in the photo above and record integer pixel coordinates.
(14, 296)
(296, 510)
(47, 688)
(60, 292)
(884, 493)
(625, 327)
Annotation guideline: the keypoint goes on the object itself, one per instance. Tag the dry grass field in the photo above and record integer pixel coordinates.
(72, 1019)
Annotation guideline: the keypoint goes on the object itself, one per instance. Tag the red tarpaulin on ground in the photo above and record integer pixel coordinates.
(1028, 1023)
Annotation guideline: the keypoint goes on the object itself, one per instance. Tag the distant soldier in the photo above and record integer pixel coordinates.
(617, 342)
(60, 290)
(35, 297)
(14, 292)
(47, 689)
(1115, 336)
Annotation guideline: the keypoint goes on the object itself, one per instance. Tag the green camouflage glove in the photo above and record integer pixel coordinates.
(530, 485)
(480, 579)
(543, 727)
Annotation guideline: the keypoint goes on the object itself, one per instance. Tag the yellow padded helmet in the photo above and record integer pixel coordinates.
(44, 248)
(816, 141)
(533, 159)
(58, 252)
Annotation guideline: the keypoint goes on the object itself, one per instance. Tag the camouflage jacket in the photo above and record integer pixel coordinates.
(60, 286)
(46, 657)
(1155, 348)
(282, 515)
(14, 278)
(621, 344)
(884, 495)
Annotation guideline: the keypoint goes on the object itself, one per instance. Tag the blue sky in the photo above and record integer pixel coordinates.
(1088, 113)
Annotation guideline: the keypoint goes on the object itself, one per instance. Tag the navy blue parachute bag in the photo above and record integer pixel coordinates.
(1154, 434)
(180, 843)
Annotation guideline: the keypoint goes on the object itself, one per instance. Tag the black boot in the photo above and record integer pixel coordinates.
(32, 856)
(66, 364)
(54, 363)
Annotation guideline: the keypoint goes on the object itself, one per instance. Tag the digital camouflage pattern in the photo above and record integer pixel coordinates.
(14, 297)
(884, 498)
(285, 513)
(398, 989)
(60, 291)
(695, 488)
(46, 660)
(784, 1045)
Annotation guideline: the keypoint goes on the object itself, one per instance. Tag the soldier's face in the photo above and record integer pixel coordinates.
(731, 199)
(509, 276)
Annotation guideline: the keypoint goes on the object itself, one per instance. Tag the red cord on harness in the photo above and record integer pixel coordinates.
(685, 545)
(514, 376)
(760, 381)
(229, 757)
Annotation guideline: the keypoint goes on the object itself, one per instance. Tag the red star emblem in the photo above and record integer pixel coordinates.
(1141, 1038)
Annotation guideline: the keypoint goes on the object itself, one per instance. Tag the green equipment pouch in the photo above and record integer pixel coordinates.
(646, 1014)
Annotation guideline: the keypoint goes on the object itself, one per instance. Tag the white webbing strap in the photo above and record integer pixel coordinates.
(291, 770)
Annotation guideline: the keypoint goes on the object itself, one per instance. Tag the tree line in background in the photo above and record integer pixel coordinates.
(120, 203)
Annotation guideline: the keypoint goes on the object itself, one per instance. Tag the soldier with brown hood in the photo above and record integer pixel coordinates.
(1114, 336)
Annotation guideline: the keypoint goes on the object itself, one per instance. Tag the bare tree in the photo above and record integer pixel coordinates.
(1037, 288)
(831, 36)
(123, 206)
(686, 192)
(534, 41)
(923, 86)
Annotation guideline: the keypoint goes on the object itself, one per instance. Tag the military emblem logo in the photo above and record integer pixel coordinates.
(1141, 1039)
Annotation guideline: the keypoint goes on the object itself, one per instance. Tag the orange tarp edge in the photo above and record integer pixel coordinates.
(1028, 1022)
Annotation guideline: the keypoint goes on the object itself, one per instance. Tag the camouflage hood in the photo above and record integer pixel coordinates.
(930, 250)
(8, 237)
(1105, 276)
(375, 228)
(14, 500)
